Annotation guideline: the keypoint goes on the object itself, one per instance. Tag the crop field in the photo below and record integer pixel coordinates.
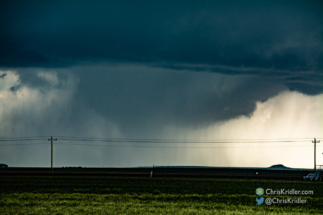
(140, 195)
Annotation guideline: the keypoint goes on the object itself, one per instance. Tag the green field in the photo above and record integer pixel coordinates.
(134, 195)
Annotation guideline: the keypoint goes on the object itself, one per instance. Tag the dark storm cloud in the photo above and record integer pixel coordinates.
(265, 47)
(270, 35)
(308, 82)
(142, 100)
(270, 45)
(149, 69)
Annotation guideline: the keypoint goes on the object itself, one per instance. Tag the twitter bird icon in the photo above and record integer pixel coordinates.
(260, 201)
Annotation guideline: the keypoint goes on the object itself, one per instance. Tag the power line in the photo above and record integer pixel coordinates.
(157, 140)
(30, 137)
(24, 144)
(15, 140)
(118, 140)
(162, 141)
(173, 139)
(154, 146)
(197, 147)
(149, 146)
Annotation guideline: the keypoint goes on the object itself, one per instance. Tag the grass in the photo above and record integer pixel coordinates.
(127, 195)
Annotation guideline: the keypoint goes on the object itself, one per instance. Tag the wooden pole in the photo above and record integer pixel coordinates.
(315, 141)
(314, 154)
(51, 152)
(51, 157)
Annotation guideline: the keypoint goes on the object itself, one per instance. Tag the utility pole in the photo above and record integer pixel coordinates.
(315, 152)
(51, 161)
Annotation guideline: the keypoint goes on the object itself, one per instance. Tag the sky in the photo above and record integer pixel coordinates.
(190, 71)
